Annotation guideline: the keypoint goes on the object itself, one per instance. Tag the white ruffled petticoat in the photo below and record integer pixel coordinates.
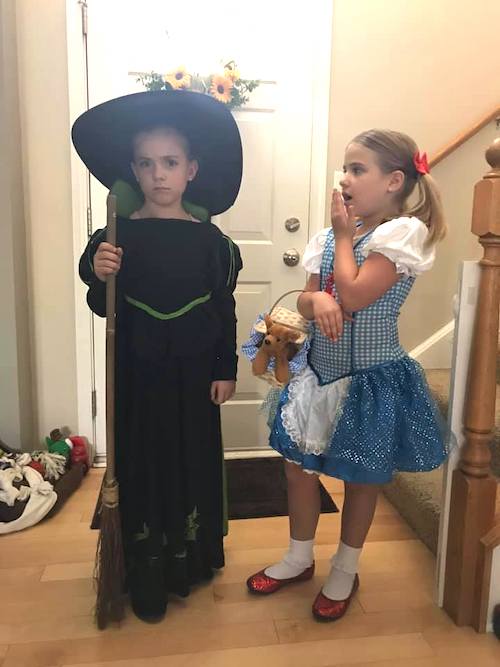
(312, 412)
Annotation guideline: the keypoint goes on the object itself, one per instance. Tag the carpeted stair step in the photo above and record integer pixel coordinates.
(417, 496)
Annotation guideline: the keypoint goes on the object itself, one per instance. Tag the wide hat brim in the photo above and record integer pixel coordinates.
(103, 136)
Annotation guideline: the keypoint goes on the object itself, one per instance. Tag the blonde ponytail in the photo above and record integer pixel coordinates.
(429, 208)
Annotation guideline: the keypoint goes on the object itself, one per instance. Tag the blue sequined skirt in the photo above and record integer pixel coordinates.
(384, 420)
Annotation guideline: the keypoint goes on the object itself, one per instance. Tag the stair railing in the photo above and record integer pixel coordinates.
(473, 492)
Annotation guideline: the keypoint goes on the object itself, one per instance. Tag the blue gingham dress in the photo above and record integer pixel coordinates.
(362, 408)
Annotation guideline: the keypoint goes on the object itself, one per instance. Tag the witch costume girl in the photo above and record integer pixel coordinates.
(175, 327)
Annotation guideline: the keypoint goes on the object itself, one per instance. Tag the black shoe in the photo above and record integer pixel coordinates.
(176, 575)
(147, 587)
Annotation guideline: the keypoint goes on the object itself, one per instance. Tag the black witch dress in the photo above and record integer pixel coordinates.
(175, 334)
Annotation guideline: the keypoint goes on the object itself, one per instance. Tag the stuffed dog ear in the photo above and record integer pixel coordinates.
(269, 322)
(293, 336)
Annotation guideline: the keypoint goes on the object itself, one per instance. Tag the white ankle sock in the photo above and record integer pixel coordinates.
(298, 558)
(338, 586)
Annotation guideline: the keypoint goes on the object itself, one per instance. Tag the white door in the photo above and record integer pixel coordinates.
(284, 131)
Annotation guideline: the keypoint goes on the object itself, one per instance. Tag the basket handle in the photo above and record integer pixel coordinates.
(293, 291)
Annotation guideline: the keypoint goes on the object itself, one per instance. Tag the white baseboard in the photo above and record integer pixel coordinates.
(99, 461)
(229, 455)
(267, 453)
(436, 351)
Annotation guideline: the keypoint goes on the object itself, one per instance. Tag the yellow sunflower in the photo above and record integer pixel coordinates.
(221, 88)
(179, 78)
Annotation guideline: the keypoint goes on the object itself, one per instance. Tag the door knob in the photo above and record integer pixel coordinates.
(292, 224)
(291, 257)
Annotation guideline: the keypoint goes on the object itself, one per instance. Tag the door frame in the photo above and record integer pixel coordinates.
(78, 103)
(77, 87)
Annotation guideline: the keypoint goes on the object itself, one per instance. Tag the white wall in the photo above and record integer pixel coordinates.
(16, 408)
(45, 127)
(429, 68)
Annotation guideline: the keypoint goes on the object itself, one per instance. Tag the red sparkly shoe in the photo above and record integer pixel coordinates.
(325, 609)
(262, 584)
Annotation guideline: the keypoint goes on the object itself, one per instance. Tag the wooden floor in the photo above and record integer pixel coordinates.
(46, 604)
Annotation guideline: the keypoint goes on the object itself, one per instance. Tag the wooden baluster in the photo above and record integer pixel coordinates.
(473, 494)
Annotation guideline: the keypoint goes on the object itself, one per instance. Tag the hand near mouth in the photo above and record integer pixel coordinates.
(342, 216)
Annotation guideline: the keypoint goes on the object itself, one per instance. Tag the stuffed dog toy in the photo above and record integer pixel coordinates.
(278, 343)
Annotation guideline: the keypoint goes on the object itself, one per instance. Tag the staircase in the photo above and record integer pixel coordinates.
(468, 567)
(417, 496)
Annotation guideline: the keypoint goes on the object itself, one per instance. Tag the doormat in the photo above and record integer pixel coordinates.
(257, 488)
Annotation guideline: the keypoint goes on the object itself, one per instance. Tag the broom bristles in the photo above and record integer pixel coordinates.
(109, 573)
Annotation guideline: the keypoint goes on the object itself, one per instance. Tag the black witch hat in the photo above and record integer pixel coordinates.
(103, 139)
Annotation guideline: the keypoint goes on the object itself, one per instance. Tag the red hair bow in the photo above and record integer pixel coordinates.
(421, 163)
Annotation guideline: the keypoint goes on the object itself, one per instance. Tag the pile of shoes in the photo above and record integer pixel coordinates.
(33, 485)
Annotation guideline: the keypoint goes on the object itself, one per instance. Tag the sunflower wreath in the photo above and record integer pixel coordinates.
(227, 87)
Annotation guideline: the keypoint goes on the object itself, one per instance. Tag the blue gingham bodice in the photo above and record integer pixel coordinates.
(371, 339)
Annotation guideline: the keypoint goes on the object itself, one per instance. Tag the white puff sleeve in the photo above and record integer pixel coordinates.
(313, 254)
(402, 240)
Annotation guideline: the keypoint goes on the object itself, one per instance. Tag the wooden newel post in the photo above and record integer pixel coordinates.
(473, 493)
(480, 400)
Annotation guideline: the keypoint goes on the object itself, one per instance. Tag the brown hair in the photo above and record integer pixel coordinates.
(167, 130)
(395, 151)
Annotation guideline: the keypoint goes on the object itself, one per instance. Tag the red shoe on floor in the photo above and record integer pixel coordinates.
(325, 609)
(262, 584)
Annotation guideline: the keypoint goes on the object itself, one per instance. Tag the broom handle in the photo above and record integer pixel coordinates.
(110, 346)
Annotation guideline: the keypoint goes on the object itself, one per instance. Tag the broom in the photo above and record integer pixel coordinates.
(109, 573)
